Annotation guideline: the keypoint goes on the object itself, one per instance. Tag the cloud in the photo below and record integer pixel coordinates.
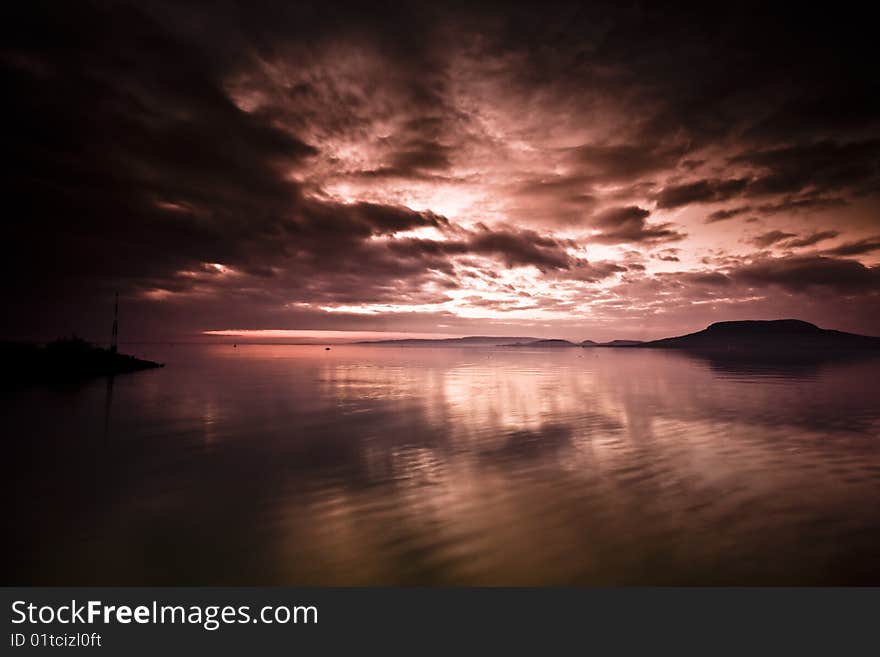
(860, 247)
(668, 255)
(821, 167)
(517, 248)
(722, 215)
(627, 162)
(803, 273)
(627, 224)
(221, 167)
(767, 239)
(810, 240)
(701, 191)
(593, 272)
(417, 159)
(786, 206)
(794, 205)
(422, 155)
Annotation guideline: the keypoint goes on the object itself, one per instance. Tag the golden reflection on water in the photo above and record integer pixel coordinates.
(544, 455)
(382, 465)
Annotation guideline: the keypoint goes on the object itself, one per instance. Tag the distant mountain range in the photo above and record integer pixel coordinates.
(566, 343)
(751, 335)
(472, 340)
(612, 343)
(542, 344)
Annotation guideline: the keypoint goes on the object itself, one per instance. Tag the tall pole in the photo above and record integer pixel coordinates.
(114, 336)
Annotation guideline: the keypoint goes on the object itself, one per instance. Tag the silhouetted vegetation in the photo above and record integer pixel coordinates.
(65, 359)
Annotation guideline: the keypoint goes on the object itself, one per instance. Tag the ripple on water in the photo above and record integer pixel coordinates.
(279, 465)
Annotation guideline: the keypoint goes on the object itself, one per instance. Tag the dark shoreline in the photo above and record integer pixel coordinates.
(68, 359)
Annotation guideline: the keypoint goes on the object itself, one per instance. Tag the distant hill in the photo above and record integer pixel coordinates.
(770, 335)
(542, 344)
(612, 343)
(761, 336)
(66, 359)
(472, 340)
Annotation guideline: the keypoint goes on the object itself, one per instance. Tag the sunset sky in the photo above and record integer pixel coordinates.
(552, 170)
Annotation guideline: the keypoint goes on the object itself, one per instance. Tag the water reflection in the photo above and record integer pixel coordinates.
(369, 465)
(108, 404)
(784, 364)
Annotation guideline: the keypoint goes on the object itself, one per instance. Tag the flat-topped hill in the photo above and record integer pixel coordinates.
(767, 334)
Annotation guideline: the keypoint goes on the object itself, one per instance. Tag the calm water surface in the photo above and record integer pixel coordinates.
(384, 465)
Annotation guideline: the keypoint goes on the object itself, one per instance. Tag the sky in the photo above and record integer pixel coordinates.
(572, 170)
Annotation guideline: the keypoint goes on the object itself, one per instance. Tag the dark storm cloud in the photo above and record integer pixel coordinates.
(822, 167)
(623, 162)
(593, 272)
(133, 165)
(801, 285)
(515, 248)
(818, 110)
(819, 168)
(518, 248)
(803, 273)
(810, 240)
(790, 206)
(327, 253)
(558, 199)
(721, 215)
(574, 190)
(860, 247)
(767, 239)
(416, 159)
(795, 205)
(706, 278)
(136, 166)
(149, 140)
(701, 191)
(421, 155)
(361, 219)
(627, 224)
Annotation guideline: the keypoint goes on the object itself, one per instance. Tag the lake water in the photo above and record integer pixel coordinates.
(388, 465)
